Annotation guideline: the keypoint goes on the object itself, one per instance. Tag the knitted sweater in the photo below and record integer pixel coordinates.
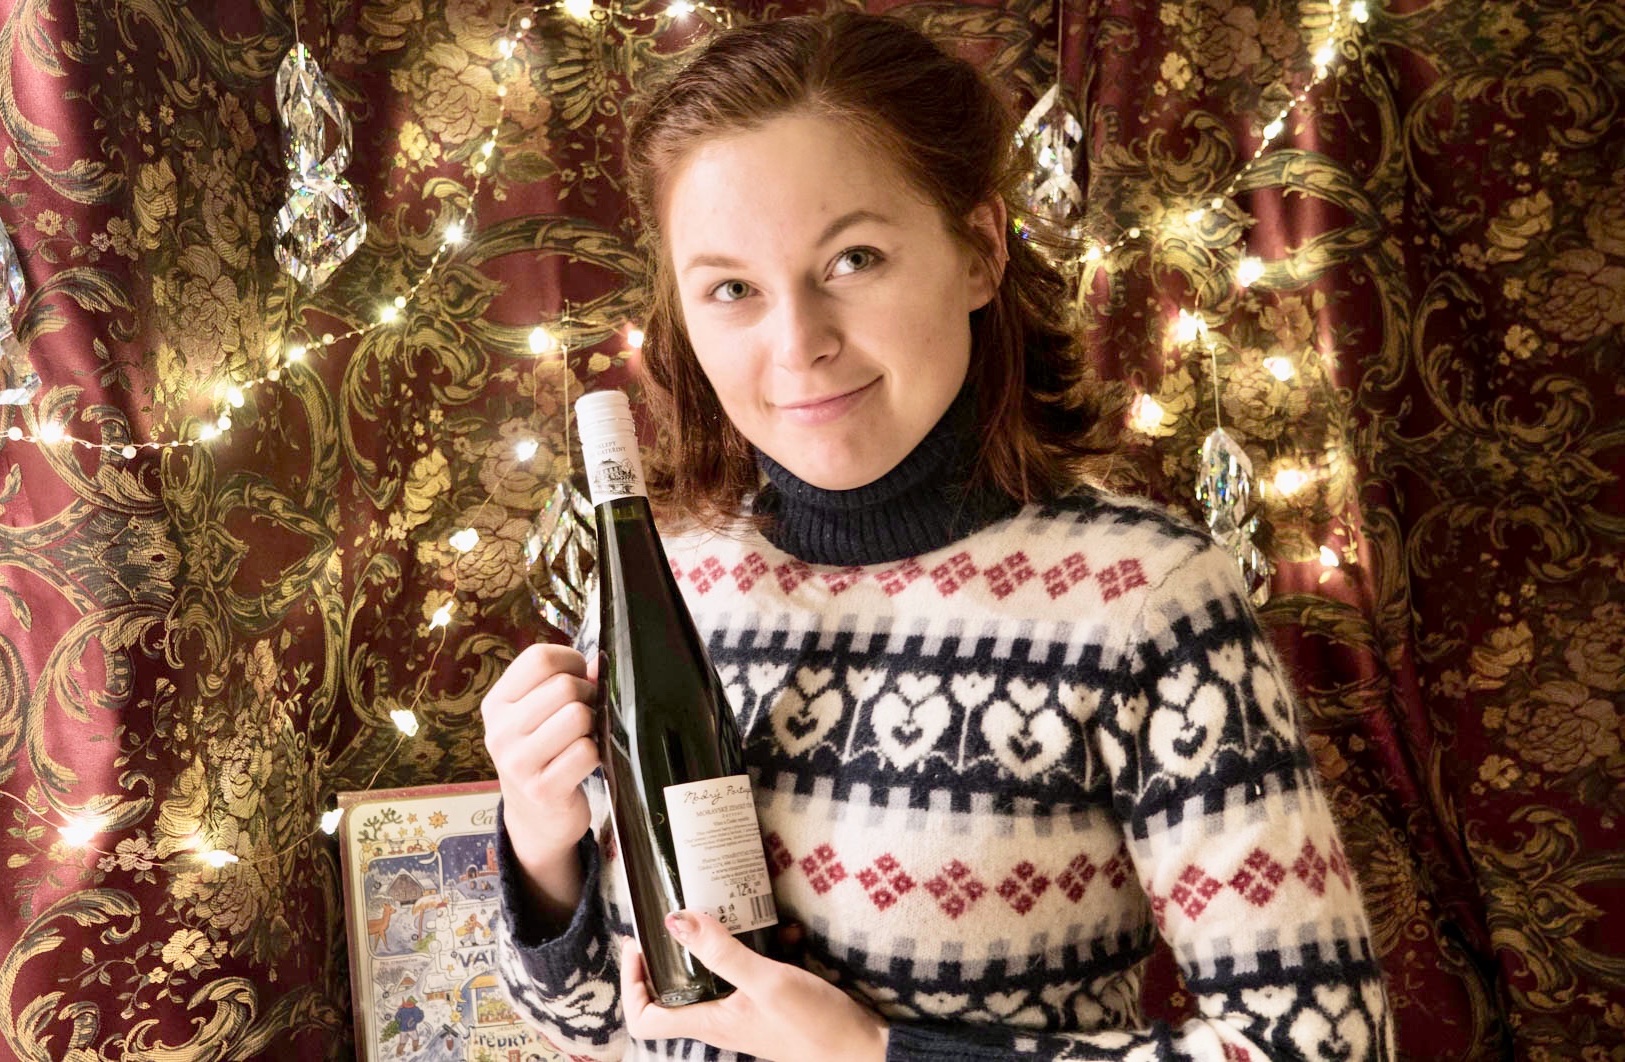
(987, 774)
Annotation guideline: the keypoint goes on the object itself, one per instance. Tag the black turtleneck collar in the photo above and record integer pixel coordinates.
(921, 505)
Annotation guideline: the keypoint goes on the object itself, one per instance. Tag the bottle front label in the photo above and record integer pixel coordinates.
(720, 861)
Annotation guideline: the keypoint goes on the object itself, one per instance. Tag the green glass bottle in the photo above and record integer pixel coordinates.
(680, 800)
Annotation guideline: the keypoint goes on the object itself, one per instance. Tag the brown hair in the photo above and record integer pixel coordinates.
(951, 137)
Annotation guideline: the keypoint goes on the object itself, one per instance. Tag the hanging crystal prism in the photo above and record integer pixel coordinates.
(322, 223)
(1049, 191)
(19, 383)
(1224, 487)
(560, 554)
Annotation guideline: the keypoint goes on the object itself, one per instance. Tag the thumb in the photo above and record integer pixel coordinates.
(710, 942)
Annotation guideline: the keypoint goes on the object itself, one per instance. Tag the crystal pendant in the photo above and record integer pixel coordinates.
(19, 383)
(1049, 191)
(13, 290)
(322, 223)
(307, 105)
(318, 229)
(560, 554)
(1224, 488)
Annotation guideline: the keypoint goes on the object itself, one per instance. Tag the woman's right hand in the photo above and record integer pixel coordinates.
(538, 729)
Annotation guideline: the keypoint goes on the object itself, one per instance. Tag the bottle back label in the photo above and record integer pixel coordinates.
(720, 860)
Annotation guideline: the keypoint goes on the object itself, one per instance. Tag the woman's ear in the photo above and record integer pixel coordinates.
(988, 220)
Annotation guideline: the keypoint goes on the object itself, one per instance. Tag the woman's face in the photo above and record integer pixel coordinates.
(826, 300)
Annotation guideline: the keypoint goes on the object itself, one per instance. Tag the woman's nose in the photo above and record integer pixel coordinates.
(805, 331)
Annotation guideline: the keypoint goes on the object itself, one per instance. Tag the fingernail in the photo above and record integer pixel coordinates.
(680, 925)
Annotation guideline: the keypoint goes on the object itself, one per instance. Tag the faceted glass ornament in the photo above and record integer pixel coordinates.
(309, 110)
(1049, 190)
(19, 383)
(1224, 488)
(13, 290)
(318, 229)
(561, 554)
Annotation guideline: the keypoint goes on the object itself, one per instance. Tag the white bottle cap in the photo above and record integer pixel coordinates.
(609, 446)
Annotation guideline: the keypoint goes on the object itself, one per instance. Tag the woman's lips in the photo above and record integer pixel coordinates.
(824, 410)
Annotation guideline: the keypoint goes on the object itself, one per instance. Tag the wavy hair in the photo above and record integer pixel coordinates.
(951, 137)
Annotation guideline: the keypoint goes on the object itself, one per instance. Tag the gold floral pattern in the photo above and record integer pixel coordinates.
(199, 648)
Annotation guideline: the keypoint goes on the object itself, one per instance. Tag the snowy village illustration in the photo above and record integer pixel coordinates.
(422, 896)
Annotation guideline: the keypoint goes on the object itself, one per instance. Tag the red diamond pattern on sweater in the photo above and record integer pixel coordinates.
(955, 888)
(1075, 879)
(1023, 887)
(1120, 578)
(676, 569)
(824, 871)
(885, 880)
(1117, 868)
(1193, 890)
(1061, 578)
(1311, 867)
(1232, 1053)
(953, 573)
(1007, 575)
(706, 574)
(779, 858)
(792, 574)
(841, 579)
(748, 571)
(895, 580)
(1258, 878)
(1340, 866)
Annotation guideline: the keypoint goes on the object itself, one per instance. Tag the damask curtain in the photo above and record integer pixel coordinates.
(202, 643)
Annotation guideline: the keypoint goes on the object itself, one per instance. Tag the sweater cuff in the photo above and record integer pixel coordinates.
(920, 1042)
(550, 956)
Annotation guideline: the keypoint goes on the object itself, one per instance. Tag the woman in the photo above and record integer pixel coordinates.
(1002, 728)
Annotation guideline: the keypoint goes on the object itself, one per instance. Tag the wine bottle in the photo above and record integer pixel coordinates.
(680, 800)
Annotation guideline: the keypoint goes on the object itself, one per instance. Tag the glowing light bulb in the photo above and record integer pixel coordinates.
(488, 147)
(524, 23)
(14, 433)
(1329, 557)
(1360, 11)
(1094, 254)
(128, 452)
(405, 721)
(208, 433)
(1288, 481)
(465, 540)
(400, 302)
(223, 422)
(234, 396)
(1273, 130)
(295, 353)
(541, 340)
(51, 432)
(80, 832)
(330, 820)
(680, 8)
(634, 338)
(1249, 270)
(1323, 56)
(388, 314)
(1147, 414)
(505, 46)
(441, 617)
(580, 10)
(1189, 327)
(1280, 367)
(217, 858)
(1195, 216)
(1134, 233)
(454, 232)
(526, 449)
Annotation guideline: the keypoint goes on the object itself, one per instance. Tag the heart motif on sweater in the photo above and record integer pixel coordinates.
(800, 724)
(1025, 745)
(1187, 726)
(906, 732)
(971, 690)
(864, 683)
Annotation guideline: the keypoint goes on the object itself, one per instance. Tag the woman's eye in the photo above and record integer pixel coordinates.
(854, 260)
(730, 291)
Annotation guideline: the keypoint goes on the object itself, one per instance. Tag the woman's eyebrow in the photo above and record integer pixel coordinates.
(831, 231)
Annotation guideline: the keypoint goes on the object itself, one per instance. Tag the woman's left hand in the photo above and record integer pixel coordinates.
(776, 1011)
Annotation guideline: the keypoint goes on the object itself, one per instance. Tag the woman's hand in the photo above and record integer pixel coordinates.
(538, 729)
(776, 1012)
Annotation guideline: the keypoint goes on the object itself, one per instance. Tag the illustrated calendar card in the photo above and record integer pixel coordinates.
(422, 900)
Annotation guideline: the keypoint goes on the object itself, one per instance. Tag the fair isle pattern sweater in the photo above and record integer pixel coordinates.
(987, 775)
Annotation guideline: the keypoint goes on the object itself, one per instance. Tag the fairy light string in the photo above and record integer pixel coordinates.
(553, 338)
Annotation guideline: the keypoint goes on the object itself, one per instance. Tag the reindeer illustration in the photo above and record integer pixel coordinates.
(377, 927)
